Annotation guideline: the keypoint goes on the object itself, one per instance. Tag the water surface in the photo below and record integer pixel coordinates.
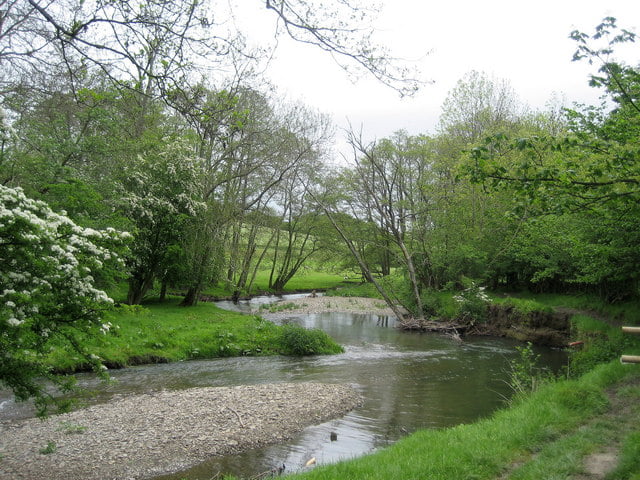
(408, 381)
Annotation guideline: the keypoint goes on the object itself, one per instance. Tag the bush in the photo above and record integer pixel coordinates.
(296, 340)
(472, 303)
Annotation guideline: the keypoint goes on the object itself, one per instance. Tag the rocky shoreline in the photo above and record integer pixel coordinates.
(142, 436)
(321, 304)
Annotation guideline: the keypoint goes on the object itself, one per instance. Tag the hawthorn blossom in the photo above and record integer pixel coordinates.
(47, 270)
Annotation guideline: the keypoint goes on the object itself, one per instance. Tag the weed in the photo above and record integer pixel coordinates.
(49, 449)
(472, 303)
(71, 428)
(525, 373)
(279, 307)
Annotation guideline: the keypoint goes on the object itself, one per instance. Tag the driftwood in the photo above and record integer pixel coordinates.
(454, 330)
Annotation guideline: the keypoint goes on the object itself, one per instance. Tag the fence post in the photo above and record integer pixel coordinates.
(630, 358)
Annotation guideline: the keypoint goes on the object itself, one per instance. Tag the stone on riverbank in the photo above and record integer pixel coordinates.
(145, 435)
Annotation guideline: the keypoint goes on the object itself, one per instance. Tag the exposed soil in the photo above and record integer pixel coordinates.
(146, 435)
(551, 329)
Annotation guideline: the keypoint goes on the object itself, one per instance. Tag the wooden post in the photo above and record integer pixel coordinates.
(630, 358)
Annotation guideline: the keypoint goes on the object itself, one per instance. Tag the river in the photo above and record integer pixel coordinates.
(408, 381)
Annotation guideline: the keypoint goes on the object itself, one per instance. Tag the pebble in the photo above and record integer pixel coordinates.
(146, 435)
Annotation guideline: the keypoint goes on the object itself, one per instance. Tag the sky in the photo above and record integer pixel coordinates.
(526, 43)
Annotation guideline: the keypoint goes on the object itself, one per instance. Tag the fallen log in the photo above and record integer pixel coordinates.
(423, 325)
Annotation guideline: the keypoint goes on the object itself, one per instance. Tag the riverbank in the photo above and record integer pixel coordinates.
(320, 304)
(570, 429)
(146, 435)
(162, 332)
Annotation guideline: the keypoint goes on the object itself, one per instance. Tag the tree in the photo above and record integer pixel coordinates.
(595, 163)
(161, 42)
(162, 195)
(588, 173)
(477, 106)
(48, 299)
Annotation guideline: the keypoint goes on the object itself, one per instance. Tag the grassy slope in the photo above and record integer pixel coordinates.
(167, 332)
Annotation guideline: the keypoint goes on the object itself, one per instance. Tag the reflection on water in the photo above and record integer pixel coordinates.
(408, 381)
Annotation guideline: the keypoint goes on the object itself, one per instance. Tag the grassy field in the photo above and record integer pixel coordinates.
(303, 281)
(160, 332)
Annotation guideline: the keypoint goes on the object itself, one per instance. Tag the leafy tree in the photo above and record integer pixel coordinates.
(162, 194)
(596, 162)
(589, 173)
(49, 267)
(478, 106)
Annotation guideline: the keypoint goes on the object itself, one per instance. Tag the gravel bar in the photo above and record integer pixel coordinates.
(323, 304)
(141, 436)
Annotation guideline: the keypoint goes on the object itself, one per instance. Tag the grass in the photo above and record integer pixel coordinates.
(546, 436)
(303, 281)
(629, 311)
(354, 290)
(523, 305)
(161, 332)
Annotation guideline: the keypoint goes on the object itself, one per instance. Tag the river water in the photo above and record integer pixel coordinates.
(408, 381)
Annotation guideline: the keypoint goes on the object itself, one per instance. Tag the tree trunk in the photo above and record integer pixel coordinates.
(163, 290)
(138, 288)
(191, 297)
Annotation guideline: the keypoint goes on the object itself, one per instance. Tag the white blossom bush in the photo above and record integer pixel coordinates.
(48, 297)
(162, 198)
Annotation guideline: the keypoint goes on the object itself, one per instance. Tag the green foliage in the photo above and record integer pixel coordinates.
(440, 304)
(602, 343)
(164, 331)
(49, 449)
(472, 303)
(297, 340)
(523, 305)
(49, 297)
(72, 428)
(278, 307)
(629, 465)
(364, 289)
(525, 372)
(583, 178)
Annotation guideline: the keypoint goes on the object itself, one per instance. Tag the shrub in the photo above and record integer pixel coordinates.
(472, 303)
(296, 340)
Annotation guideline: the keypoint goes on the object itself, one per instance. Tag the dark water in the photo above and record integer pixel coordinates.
(408, 380)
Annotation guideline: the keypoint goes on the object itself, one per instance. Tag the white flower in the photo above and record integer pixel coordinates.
(14, 322)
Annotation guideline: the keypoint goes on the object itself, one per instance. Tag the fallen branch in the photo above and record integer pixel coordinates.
(237, 415)
(449, 328)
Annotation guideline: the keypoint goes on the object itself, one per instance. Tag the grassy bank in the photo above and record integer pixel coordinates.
(165, 332)
(547, 435)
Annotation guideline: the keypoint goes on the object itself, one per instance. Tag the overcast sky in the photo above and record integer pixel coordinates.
(525, 42)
